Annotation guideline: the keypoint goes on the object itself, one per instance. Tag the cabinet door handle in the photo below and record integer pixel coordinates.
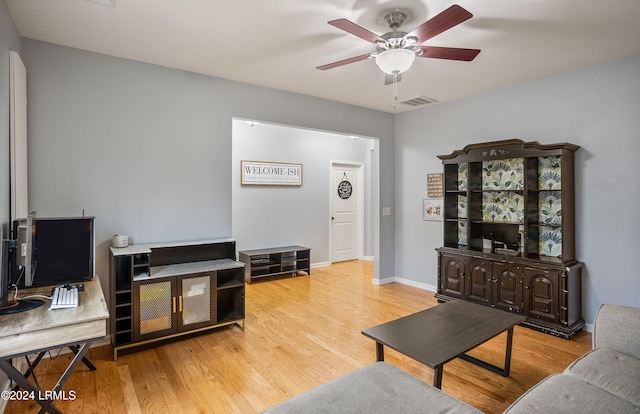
(174, 304)
(180, 303)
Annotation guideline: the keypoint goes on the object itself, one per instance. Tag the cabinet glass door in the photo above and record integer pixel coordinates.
(155, 309)
(196, 301)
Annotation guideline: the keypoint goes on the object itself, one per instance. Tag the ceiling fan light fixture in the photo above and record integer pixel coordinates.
(395, 60)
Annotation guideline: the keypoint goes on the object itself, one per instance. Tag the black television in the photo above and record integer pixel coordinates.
(62, 251)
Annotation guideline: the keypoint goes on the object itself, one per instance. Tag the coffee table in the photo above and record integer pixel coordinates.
(447, 331)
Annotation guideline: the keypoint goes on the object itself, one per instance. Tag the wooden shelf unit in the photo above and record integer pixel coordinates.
(277, 261)
(509, 232)
(166, 290)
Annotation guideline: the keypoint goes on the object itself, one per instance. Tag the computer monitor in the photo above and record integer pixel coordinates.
(63, 251)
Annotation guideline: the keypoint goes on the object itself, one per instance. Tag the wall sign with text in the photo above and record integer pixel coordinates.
(434, 185)
(270, 173)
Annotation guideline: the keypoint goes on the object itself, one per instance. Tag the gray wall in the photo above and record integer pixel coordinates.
(9, 40)
(269, 216)
(596, 108)
(147, 150)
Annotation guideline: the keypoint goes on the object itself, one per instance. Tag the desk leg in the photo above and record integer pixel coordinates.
(379, 352)
(47, 404)
(15, 375)
(437, 376)
(81, 351)
(85, 360)
(34, 364)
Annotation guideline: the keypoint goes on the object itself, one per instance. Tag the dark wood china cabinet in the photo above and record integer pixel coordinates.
(509, 232)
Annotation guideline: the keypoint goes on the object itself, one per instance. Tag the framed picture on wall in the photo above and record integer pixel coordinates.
(270, 173)
(432, 209)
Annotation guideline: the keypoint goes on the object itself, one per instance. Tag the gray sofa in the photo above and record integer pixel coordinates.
(605, 380)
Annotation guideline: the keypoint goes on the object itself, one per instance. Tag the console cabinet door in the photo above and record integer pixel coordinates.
(479, 281)
(541, 290)
(196, 301)
(154, 308)
(452, 276)
(507, 287)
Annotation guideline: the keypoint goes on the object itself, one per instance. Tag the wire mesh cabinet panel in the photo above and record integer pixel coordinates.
(171, 289)
(196, 303)
(154, 310)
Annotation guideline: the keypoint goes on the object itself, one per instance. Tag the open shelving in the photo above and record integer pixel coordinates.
(170, 289)
(509, 231)
(277, 261)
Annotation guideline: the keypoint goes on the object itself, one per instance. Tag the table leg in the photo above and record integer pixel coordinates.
(437, 376)
(379, 352)
(507, 359)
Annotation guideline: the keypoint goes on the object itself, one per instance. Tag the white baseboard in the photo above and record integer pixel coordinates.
(320, 264)
(404, 281)
(383, 281)
(419, 285)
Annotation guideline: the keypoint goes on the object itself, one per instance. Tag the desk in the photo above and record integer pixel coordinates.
(437, 335)
(40, 330)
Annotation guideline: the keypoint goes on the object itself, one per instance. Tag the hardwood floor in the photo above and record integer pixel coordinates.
(300, 332)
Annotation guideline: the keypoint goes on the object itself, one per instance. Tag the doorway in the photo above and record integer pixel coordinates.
(346, 228)
(271, 216)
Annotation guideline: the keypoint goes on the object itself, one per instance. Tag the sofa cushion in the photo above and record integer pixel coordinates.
(610, 370)
(376, 388)
(617, 327)
(568, 394)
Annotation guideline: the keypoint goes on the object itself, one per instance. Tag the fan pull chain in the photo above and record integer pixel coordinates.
(395, 90)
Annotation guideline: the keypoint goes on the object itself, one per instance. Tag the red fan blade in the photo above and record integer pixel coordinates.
(452, 16)
(451, 53)
(344, 62)
(356, 30)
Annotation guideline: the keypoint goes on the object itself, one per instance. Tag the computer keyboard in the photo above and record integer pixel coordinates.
(64, 297)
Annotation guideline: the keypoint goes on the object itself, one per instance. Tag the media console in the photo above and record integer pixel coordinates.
(165, 290)
(275, 261)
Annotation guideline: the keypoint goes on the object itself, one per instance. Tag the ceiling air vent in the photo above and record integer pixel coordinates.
(108, 3)
(419, 100)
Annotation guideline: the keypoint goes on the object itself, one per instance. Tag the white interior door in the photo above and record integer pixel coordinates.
(346, 212)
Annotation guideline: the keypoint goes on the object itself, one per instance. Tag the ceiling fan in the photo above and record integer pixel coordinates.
(396, 50)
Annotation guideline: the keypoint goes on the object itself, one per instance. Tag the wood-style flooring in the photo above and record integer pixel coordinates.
(300, 332)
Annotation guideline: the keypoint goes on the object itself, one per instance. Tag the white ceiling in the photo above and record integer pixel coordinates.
(279, 43)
